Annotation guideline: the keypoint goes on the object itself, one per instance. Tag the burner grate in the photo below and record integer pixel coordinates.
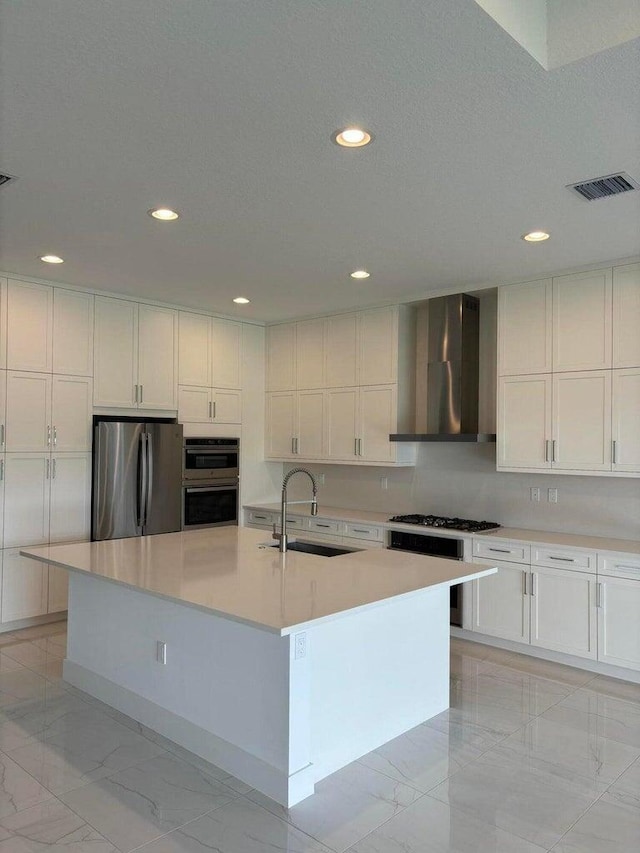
(441, 521)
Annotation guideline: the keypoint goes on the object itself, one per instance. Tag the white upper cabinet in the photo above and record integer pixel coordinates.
(310, 353)
(226, 406)
(524, 421)
(29, 326)
(281, 424)
(28, 419)
(72, 404)
(342, 351)
(626, 316)
(582, 420)
(194, 404)
(72, 332)
(3, 322)
(281, 357)
(342, 424)
(3, 410)
(194, 361)
(226, 350)
(625, 425)
(157, 357)
(115, 353)
(377, 418)
(525, 312)
(582, 321)
(378, 334)
(311, 424)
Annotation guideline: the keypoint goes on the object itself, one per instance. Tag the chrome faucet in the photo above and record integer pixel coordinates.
(282, 536)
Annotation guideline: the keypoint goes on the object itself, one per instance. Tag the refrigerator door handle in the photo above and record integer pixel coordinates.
(147, 505)
(142, 482)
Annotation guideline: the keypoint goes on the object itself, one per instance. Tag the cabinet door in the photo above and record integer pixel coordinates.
(226, 407)
(28, 411)
(281, 416)
(563, 611)
(378, 418)
(582, 321)
(281, 357)
(342, 350)
(626, 420)
(226, 348)
(157, 357)
(618, 622)
(626, 316)
(194, 404)
(115, 353)
(29, 326)
(194, 358)
(311, 424)
(72, 332)
(3, 409)
(70, 508)
(3, 323)
(310, 353)
(26, 509)
(500, 604)
(378, 337)
(58, 589)
(72, 403)
(342, 423)
(524, 422)
(524, 328)
(582, 420)
(24, 587)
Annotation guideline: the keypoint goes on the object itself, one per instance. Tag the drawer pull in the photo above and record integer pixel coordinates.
(501, 550)
(318, 524)
(360, 530)
(261, 517)
(562, 559)
(620, 567)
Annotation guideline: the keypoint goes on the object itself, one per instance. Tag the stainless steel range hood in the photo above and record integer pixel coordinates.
(449, 366)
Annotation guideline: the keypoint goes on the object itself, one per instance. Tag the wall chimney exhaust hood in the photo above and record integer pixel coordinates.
(447, 364)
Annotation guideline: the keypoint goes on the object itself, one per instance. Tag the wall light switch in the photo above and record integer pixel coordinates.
(535, 493)
(300, 648)
(552, 496)
(384, 483)
(320, 479)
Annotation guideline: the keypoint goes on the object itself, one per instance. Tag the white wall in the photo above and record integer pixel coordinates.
(458, 479)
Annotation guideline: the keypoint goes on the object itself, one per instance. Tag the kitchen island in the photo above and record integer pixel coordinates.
(279, 668)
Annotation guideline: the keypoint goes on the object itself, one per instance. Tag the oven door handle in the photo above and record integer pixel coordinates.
(204, 489)
(209, 451)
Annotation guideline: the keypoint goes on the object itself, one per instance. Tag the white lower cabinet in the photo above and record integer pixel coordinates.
(500, 604)
(24, 587)
(27, 494)
(563, 611)
(58, 589)
(619, 621)
(70, 497)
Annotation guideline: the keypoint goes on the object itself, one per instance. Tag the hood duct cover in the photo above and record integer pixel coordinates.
(452, 372)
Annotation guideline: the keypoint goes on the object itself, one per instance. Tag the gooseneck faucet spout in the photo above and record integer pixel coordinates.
(281, 537)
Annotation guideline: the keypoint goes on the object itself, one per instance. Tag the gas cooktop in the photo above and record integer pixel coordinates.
(445, 523)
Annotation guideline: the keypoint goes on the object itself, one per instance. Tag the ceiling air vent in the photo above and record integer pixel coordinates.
(4, 179)
(605, 186)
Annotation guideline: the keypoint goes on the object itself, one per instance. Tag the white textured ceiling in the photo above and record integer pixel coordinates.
(223, 109)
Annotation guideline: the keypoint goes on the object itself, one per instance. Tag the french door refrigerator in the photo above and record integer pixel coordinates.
(137, 479)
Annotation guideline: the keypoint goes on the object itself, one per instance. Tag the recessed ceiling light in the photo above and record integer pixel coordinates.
(535, 236)
(163, 213)
(242, 300)
(51, 259)
(352, 137)
(360, 274)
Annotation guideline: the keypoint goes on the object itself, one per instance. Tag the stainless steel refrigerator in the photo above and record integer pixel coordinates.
(137, 479)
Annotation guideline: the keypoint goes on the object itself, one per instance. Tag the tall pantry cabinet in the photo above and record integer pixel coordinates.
(46, 391)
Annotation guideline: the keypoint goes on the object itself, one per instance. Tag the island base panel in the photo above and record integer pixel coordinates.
(279, 712)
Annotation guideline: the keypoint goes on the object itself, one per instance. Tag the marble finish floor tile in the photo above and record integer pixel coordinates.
(46, 630)
(609, 826)
(615, 688)
(548, 669)
(79, 747)
(429, 826)
(548, 746)
(53, 827)
(29, 654)
(18, 790)
(422, 757)
(627, 786)
(21, 722)
(55, 645)
(143, 802)
(7, 638)
(238, 827)
(51, 671)
(520, 692)
(607, 716)
(23, 684)
(477, 727)
(346, 805)
(8, 664)
(534, 804)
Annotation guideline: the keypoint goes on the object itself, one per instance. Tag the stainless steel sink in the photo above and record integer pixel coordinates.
(316, 548)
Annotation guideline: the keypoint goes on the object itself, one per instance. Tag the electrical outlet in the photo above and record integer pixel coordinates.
(535, 494)
(552, 496)
(384, 483)
(161, 652)
(300, 647)
(320, 479)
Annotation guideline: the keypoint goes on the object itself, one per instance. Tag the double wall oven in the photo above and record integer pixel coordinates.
(210, 477)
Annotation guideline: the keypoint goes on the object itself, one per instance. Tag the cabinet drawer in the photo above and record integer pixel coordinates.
(264, 519)
(363, 531)
(619, 565)
(351, 542)
(324, 525)
(296, 522)
(563, 558)
(510, 552)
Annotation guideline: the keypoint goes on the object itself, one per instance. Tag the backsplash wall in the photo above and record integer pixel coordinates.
(455, 479)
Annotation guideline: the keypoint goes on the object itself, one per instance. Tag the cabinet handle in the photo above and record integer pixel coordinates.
(359, 447)
(213, 409)
(48, 435)
(322, 525)
(524, 582)
(48, 469)
(293, 444)
(533, 584)
(1, 469)
(546, 450)
(210, 410)
(500, 550)
(614, 452)
(1, 435)
(135, 393)
(553, 450)
(141, 388)
(55, 436)
(53, 469)
(598, 595)
(562, 559)
(360, 530)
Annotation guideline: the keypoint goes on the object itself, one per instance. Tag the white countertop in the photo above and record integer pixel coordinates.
(225, 571)
(571, 540)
